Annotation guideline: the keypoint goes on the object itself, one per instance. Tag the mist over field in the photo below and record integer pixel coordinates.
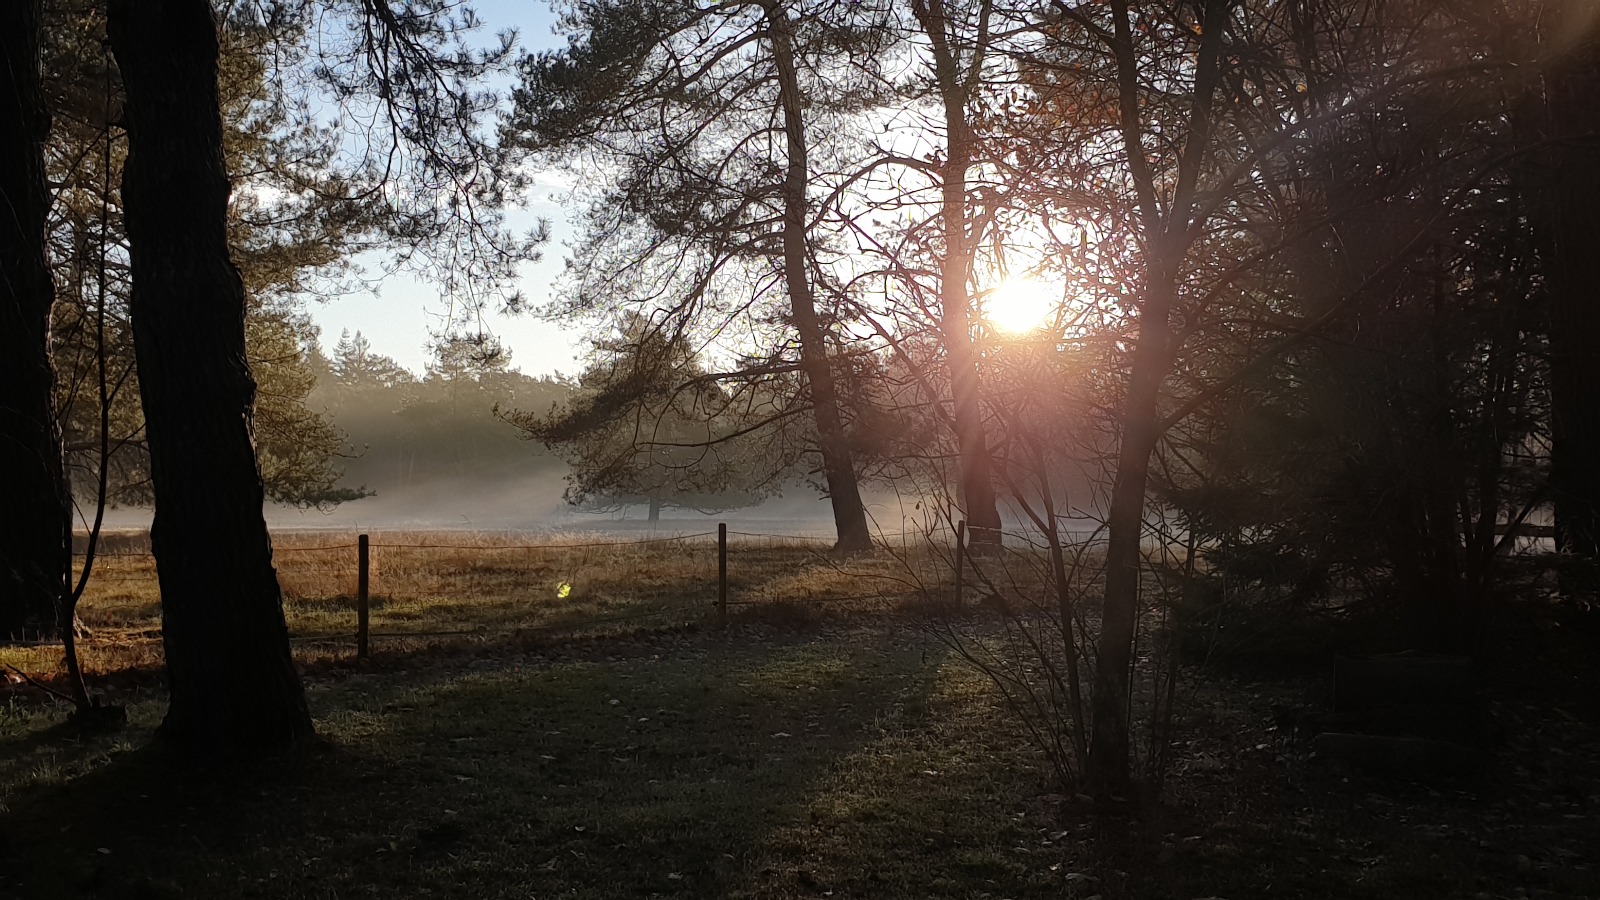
(534, 504)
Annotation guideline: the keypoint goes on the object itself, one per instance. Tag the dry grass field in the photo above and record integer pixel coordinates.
(433, 587)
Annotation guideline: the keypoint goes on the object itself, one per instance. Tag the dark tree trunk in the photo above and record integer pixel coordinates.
(233, 683)
(655, 508)
(1107, 769)
(838, 465)
(35, 508)
(977, 483)
(1565, 213)
(1166, 241)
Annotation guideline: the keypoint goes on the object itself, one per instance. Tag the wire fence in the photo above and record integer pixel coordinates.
(425, 587)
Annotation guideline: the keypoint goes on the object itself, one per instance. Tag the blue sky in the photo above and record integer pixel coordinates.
(400, 317)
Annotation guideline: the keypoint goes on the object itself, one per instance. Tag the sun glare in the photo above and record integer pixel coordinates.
(1020, 305)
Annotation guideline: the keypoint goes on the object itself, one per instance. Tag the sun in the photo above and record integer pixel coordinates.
(1020, 305)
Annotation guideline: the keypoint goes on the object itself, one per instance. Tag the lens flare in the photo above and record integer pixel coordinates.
(1020, 305)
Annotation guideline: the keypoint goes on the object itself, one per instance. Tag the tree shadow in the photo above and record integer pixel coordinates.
(634, 777)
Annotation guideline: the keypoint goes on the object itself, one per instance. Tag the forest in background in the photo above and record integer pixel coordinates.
(447, 438)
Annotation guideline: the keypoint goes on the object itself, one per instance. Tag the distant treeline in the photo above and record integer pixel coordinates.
(403, 429)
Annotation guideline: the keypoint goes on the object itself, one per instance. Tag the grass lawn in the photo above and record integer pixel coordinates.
(846, 752)
(864, 765)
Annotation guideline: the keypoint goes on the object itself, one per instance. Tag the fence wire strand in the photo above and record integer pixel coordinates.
(482, 632)
(696, 608)
(578, 546)
(786, 537)
(376, 545)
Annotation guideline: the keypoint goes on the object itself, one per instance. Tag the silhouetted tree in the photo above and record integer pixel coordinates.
(293, 218)
(35, 512)
(710, 115)
(958, 70)
(1183, 148)
(646, 426)
(233, 683)
(1564, 192)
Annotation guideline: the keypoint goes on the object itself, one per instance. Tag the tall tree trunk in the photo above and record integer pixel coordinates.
(233, 683)
(35, 506)
(1165, 242)
(838, 465)
(1565, 214)
(977, 483)
(1107, 769)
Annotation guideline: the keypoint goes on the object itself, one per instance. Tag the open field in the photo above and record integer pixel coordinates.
(822, 750)
(435, 587)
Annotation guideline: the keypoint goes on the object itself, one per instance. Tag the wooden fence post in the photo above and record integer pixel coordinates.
(961, 558)
(363, 567)
(722, 574)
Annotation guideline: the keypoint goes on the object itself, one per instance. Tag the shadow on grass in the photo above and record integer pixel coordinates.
(637, 778)
(864, 764)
